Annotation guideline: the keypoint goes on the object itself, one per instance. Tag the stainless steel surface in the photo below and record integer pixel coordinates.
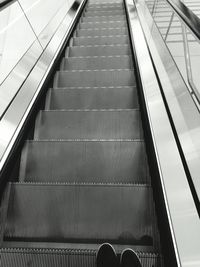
(18, 55)
(11, 85)
(100, 40)
(185, 114)
(181, 209)
(97, 63)
(108, 161)
(181, 42)
(47, 215)
(92, 98)
(84, 191)
(11, 123)
(94, 78)
(13, 257)
(103, 18)
(88, 124)
(101, 32)
(98, 50)
(102, 24)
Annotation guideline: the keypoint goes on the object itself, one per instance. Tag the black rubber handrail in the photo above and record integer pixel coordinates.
(6, 2)
(190, 19)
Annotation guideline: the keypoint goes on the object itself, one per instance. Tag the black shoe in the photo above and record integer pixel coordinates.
(129, 259)
(106, 256)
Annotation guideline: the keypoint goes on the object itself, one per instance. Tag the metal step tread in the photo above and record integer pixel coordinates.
(110, 24)
(104, 13)
(104, 18)
(84, 161)
(21, 257)
(105, 8)
(96, 78)
(100, 40)
(92, 98)
(13, 257)
(98, 50)
(88, 124)
(101, 31)
(113, 62)
(59, 213)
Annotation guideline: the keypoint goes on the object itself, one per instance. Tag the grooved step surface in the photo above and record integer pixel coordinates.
(100, 40)
(84, 161)
(98, 25)
(101, 32)
(104, 18)
(104, 13)
(80, 212)
(103, 8)
(15, 257)
(97, 63)
(94, 78)
(98, 50)
(88, 125)
(93, 98)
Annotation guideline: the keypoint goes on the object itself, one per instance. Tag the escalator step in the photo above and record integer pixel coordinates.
(100, 2)
(97, 63)
(105, 5)
(104, 13)
(123, 124)
(15, 257)
(99, 78)
(98, 50)
(79, 213)
(92, 98)
(98, 25)
(101, 32)
(100, 40)
(104, 8)
(84, 161)
(104, 18)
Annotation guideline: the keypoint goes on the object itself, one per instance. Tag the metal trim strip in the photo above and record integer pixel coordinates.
(13, 120)
(181, 210)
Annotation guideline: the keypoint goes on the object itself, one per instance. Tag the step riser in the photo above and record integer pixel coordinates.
(62, 258)
(97, 63)
(88, 125)
(101, 32)
(94, 78)
(102, 98)
(84, 162)
(91, 51)
(99, 40)
(103, 13)
(79, 213)
(47, 258)
(104, 8)
(103, 18)
(117, 24)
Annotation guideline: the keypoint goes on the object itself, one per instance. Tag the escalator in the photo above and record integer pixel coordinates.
(84, 179)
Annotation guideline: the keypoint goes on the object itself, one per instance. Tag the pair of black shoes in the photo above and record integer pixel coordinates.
(107, 257)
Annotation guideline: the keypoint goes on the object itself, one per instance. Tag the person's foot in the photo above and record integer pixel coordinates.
(129, 259)
(106, 256)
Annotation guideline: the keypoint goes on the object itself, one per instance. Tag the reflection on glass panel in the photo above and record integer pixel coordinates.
(40, 12)
(193, 5)
(16, 37)
(45, 16)
(182, 44)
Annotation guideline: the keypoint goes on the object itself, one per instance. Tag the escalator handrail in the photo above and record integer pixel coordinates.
(4, 3)
(187, 16)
